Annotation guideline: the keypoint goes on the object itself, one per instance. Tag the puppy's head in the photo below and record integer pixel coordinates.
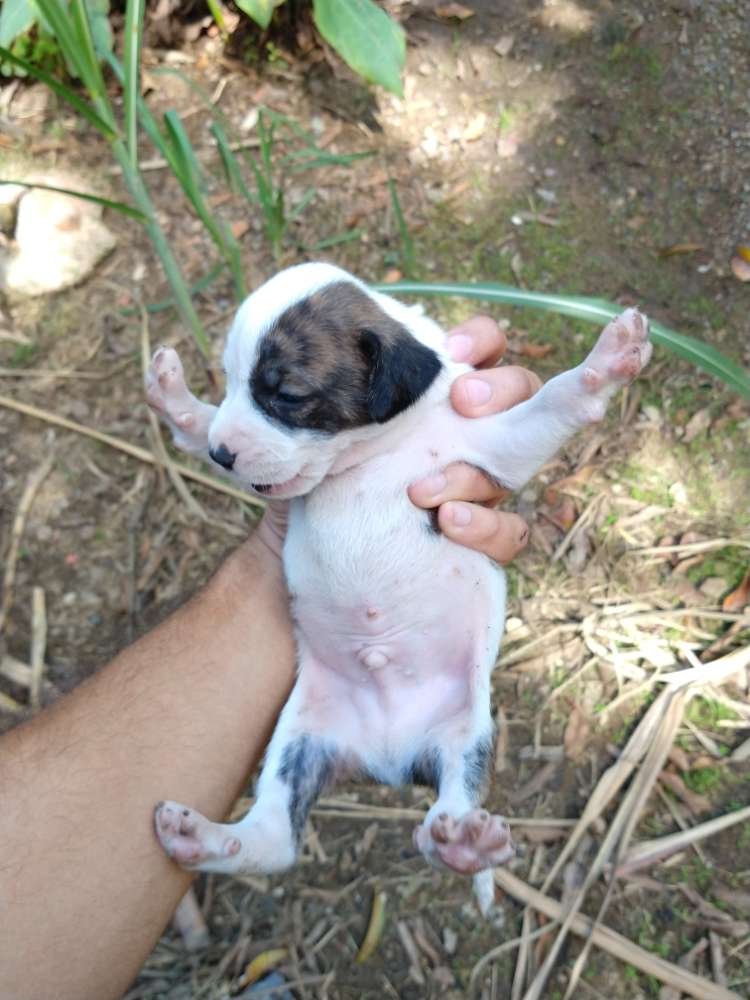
(314, 362)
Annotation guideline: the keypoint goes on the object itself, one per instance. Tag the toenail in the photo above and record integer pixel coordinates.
(443, 816)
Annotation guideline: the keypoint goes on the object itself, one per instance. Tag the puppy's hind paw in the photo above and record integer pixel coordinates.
(475, 841)
(189, 838)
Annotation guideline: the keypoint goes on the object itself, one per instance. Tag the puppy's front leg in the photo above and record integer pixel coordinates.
(513, 445)
(167, 393)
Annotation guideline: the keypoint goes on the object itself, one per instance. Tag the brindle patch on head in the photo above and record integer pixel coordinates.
(335, 360)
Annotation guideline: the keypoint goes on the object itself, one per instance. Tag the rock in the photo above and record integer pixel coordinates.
(58, 240)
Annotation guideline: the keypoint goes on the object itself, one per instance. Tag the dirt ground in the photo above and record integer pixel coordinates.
(592, 148)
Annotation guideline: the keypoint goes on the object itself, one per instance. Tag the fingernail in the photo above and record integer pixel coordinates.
(459, 347)
(478, 391)
(433, 485)
(461, 515)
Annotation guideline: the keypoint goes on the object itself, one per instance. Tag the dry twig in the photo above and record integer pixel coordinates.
(614, 943)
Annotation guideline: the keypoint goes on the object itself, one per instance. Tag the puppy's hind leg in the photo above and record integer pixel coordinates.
(456, 834)
(298, 766)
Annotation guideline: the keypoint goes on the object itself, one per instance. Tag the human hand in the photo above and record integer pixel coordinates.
(464, 496)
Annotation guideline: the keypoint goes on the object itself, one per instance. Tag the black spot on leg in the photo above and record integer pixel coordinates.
(476, 768)
(306, 767)
(427, 769)
(431, 524)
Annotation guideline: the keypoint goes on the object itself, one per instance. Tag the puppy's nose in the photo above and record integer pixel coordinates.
(223, 456)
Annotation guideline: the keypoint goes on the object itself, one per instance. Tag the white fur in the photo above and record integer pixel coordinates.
(397, 628)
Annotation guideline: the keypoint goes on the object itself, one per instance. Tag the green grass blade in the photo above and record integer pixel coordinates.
(59, 21)
(117, 206)
(599, 311)
(231, 165)
(408, 254)
(309, 159)
(302, 204)
(132, 74)
(65, 93)
(190, 178)
(94, 79)
(333, 241)
(218, 15)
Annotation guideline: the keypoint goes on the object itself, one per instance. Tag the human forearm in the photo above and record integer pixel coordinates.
(186, 711)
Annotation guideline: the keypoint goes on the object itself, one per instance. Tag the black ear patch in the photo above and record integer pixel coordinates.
(401, 370)
(336, 360)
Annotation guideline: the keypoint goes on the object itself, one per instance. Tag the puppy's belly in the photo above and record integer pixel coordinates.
(394, 664)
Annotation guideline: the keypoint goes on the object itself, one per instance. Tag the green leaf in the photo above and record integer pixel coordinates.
(118, 206)
(365, 38)
(16, 17)
(261, 11)
(597, 311)
(64, 92)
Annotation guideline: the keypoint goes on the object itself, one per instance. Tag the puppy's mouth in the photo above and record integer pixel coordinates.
(275, 489)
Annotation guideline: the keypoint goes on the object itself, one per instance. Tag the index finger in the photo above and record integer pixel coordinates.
(478, 341)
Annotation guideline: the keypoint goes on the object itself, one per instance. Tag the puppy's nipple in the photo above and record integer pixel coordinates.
(374, 659)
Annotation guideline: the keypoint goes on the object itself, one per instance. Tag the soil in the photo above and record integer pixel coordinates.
(605, 153)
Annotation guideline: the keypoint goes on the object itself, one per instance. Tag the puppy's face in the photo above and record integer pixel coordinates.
(312, 360)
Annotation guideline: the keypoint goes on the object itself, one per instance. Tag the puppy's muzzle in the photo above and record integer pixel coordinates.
(223, 456)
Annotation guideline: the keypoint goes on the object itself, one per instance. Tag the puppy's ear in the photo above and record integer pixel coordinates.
(401, 370)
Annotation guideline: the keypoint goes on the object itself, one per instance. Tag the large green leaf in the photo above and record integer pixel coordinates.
(365, 38)
(592, 311)
(261, 11)
(16, 16)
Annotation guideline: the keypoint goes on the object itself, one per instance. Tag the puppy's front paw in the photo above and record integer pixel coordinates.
(619, 354)
(166, 390)
(189, 838)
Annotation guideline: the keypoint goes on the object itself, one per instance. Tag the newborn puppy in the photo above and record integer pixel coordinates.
(337, 398)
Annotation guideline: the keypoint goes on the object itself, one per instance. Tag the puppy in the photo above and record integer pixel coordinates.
(337, 398)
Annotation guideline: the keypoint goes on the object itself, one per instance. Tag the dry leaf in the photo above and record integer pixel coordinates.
(744, 252)
(475, 129)
(391, 276)
(456, 10)
(262, 964)
(564, 514)
(740, 597)
(239, 228)
(679, 248)
(697, 424)
(375, 928)
(576, 734)
(740, 268)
